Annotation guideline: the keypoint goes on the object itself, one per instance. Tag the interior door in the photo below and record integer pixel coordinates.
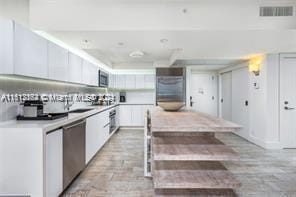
(288, 100)
(226, 94)
(204, 93)
(240, 100)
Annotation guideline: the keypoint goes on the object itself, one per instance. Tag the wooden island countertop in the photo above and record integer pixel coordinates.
(185, 154)
(188, 121)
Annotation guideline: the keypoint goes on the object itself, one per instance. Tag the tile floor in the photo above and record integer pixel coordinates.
(117, 170)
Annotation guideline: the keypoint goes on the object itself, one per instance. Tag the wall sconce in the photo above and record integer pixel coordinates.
(255, 66)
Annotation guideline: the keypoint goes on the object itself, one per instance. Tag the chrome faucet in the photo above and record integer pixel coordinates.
(69, 103)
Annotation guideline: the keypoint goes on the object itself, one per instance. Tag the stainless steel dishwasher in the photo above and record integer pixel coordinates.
(73, 151)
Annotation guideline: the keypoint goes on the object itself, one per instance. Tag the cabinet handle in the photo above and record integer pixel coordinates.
(74, 125)
(107, 125)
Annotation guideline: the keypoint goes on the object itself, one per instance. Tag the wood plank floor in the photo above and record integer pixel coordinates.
(117, 170)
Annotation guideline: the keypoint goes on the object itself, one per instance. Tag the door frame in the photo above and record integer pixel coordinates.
(191, 71)
(281, 130)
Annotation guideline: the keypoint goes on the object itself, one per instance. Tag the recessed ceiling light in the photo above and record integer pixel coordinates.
(164, 40)
(120, 43)
(137, 54)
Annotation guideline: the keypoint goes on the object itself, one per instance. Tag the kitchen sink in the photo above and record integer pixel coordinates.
(80, 110)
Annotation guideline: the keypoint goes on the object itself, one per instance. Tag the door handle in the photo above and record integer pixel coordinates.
(289, 108)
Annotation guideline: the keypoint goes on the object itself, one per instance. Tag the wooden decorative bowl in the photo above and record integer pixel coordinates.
(171, 106)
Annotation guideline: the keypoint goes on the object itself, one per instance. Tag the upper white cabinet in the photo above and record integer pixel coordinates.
(6, 47)
(54, 163)
(140, 81)
(57, 62)
(90, 73)
(30, 53)
(130, 81)
(120, 81)
(149, 81)
(75, 68)
(111, 81)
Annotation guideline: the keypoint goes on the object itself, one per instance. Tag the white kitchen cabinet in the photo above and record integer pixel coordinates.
(75, 68)
(120, 81)
(6, 47)
(105, 126)
(111, 81)
(92, 137)
(97, 133)
(130, 81)
(149, 81)
(54, 163)
(30, 53)
(90, 73)
(140, 81)
(57, 62)
(125, 113)
(137, 115)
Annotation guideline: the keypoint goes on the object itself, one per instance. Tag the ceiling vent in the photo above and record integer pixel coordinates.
(276, 11)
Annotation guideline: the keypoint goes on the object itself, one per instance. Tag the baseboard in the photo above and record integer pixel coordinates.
(130, 128)
(259, 142)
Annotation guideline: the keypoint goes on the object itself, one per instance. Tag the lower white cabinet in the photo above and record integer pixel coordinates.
(92, 137)
(137, 115)
(54, 163)
(125, 113)
(97, 133)
(133, 114)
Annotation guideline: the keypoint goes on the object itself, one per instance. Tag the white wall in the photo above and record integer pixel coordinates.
(17, 10)
(9, 111)
(141, 97)
(264, 103)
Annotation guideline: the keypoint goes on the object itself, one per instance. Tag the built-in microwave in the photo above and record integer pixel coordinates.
(103, 79)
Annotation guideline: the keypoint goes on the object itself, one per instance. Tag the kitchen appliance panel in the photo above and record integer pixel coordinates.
(73, 151)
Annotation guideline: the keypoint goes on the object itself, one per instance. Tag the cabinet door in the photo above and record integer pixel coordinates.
(130, 81)
(6, 47)
(54, 163)
(125, 113)
(111, 81)
(92, 138)
(137, 115)
(105, 125)
(149, 81)
(75, 68)
(57, 62)
(120, 81)
(90, 74)
(140, 81)
(30, 53)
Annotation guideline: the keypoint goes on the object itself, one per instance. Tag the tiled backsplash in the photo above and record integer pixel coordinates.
(9, 111)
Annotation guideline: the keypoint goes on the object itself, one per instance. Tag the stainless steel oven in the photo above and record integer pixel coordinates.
(112, 116)
(103, 79)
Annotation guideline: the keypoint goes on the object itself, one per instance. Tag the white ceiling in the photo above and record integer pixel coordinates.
(210, 32)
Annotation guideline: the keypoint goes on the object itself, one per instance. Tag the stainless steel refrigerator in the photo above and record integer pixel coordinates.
(170, 85)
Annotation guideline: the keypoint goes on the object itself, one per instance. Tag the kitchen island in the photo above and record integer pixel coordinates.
(185, 155)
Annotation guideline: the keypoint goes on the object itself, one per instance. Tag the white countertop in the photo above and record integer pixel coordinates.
(49, 125)
(135, 103)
